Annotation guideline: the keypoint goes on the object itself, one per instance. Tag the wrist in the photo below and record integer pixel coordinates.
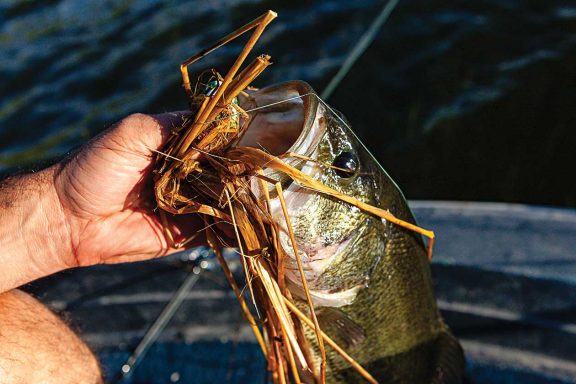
(33, 230)
(53, 234)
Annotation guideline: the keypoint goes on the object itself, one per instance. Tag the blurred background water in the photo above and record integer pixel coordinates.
(458, 99)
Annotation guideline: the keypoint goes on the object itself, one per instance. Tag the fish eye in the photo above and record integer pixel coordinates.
(348, 164)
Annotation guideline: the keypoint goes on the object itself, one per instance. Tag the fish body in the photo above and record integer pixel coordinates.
(369, 279)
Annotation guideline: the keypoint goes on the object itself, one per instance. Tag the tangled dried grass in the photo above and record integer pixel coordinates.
(200, 171)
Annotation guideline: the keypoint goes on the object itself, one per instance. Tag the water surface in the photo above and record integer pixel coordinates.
(458, 99)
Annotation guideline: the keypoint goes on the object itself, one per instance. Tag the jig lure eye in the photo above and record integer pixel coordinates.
(348, 164)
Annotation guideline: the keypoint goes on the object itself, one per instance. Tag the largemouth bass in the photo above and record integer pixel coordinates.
(369, 279)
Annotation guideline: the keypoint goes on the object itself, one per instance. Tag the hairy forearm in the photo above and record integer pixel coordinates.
(33, 230)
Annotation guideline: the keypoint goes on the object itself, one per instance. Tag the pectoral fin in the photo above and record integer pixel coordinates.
(343, 330)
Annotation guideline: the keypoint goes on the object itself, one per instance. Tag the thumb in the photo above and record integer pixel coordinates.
(165, 124)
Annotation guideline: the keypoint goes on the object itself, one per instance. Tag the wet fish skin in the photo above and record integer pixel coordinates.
(370, 280)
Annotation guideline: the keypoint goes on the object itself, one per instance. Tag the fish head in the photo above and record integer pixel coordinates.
(339, 244)
(369, 279)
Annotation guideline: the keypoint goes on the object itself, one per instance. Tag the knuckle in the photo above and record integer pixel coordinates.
(134, 125)
(136, 120)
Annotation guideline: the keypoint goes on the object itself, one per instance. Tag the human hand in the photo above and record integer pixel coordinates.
(105, 192)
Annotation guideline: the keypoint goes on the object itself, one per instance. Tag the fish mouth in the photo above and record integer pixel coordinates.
(289, 118)
(286, 117)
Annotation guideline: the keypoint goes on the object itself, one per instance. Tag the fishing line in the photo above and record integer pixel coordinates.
(359, 142)
(192, 278)
(257, 108)
(350, 130)
(360, 47)
(226, 117)
(328, 107)
(168, 312)
(280, 102)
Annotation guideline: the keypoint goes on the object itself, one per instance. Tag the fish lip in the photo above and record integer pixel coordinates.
(311, 134)
(302, 145)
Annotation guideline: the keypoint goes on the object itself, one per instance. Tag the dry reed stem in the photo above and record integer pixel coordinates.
(280, 265)
(199, 174)
(206, 114)
(262, 159)
(242, 254)
(291, 360)
(243, 80)
(331, 343)
(216, 245)
(281, 371)
(280, 309)
(280, 193)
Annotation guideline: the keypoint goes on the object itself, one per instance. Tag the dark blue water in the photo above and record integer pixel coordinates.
(458, 99)
(199, 363)
(70, 68)
(242, 363)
